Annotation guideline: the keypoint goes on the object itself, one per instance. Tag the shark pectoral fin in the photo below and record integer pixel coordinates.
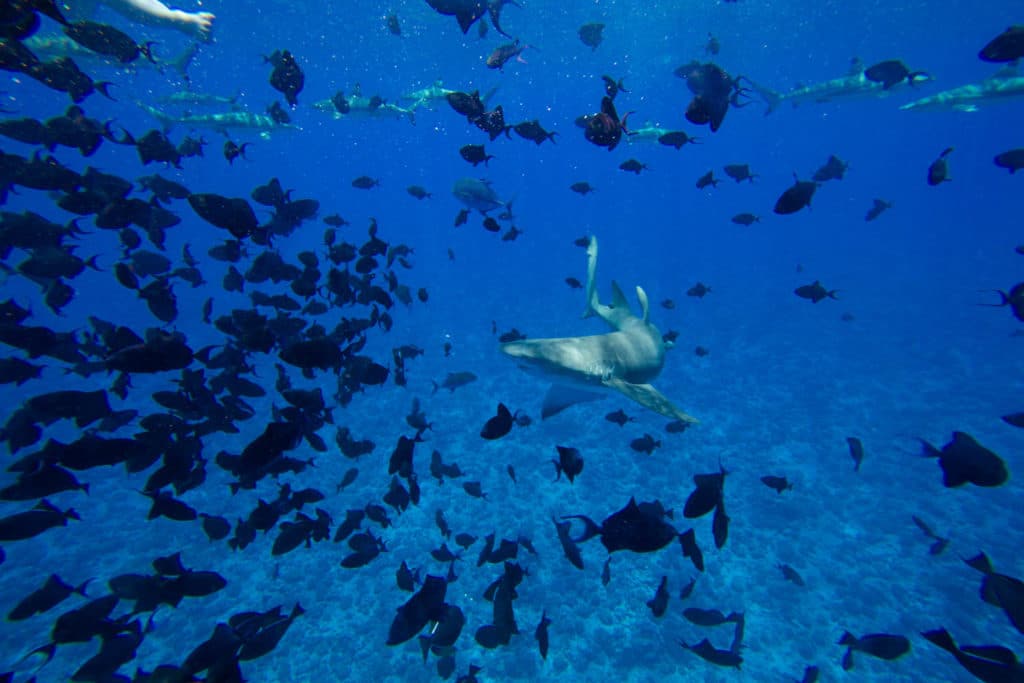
(966, 108)
(560, 397)
(651, 398)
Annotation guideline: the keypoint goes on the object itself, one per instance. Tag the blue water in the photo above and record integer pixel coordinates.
(785, 383)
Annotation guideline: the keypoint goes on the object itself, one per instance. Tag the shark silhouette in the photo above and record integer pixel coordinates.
(625, 360)
(854, 85)
(1005, 84)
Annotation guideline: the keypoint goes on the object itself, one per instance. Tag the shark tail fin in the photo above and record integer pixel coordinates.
(593, 304)
(183, 61)
(488, 95)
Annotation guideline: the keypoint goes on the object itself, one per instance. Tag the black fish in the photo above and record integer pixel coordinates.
(791, 574)
(963, 460)
(612, 87)
(708, 617)
(604, 128)
(834, 169)
(707, 494)
(688, 541)
(232, 214)
(740, 172)
(992, 663)
(1001, 590)
(583, 188)
(720, 525)
(475, 154)
(591, 35)
(287, 77)
(499, 425)
(938, 171)
(107, 40)
(541, 634)
(893, 71)
(215, 528)
(706, 651)
(569, 547)
(940, 543)
(878, 207)
(659, 603)
(1012, 160)
(1008, 46)
(881, 645)
(687, 590)
(569, 462)
(745, 219)
(233, 150)
(645, 444)
(51, 594)
(24, 525)
(815, 292)
(856, 451)
(778, 484)
(619, 417)
(632, 166)
(533, 131)
(425, 606)
(473, 489)
(796, 197)
(641, 530)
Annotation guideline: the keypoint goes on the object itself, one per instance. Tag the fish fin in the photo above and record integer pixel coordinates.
(645, 309)
(993, 653)
(942, 638)
(981, 563)
(560, 397)
(651, 398)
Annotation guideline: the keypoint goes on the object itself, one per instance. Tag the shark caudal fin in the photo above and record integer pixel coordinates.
(619, 311)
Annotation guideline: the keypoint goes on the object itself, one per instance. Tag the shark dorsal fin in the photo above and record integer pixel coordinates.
(645, 309)
(618, 298)
(856, 66)
(614, 314)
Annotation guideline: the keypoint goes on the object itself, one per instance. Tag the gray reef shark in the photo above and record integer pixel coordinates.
(478, 194)
(222, 122)
(53, 46)
(437, 94)
(854, 85)
(364, 107)
(624, 360)
(1001, 86)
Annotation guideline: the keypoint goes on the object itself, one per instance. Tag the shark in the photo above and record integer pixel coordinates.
(1005, 84)
(854, 85)
(360, 106)
(436, 94)
(52, 46)
(222, 122)
(479, 195)
(625, 360)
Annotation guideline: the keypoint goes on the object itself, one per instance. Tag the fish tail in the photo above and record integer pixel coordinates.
(928, 450)
(1004, 298)
(847, 639)
(591, 528)
(981, 563)
(943, 639)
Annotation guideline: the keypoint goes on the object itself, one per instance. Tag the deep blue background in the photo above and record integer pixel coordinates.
(785, 383)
